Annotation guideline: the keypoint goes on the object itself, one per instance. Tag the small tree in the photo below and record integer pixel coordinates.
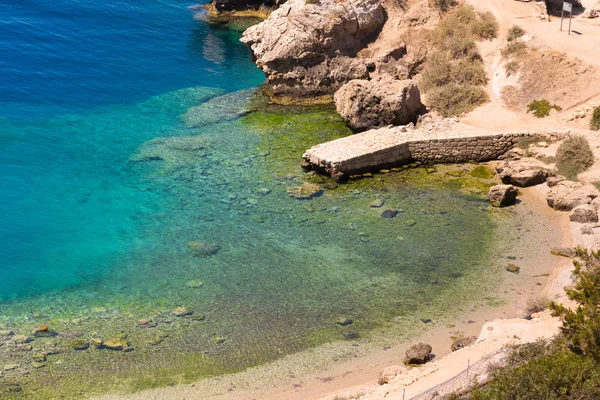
(581, 327)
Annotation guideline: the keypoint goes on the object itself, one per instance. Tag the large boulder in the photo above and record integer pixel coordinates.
(523, 174)
(418, 353)
(502, 195)
(583, 214)
(379, 102)
(567, 195)
(308, 49)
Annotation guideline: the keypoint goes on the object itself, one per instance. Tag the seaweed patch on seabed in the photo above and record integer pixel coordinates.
(231, 271)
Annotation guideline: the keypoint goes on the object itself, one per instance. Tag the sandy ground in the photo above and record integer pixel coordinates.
(584, 45)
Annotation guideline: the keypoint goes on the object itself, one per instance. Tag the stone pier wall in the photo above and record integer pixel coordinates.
(458, 150)
(451, 142)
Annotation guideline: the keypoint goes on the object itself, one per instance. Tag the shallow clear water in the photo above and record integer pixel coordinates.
(106, 177)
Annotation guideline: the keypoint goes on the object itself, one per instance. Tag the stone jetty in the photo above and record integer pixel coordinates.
(442, 141)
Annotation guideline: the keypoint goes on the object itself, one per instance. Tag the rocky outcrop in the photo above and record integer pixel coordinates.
(502, 195)
(583, 214)
(308, 49)
(418, 353)
(566, 195)
(379, 102)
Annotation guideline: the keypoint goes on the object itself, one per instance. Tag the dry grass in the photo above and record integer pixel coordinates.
(454, 72)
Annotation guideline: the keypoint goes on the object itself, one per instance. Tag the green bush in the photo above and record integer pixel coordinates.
(514, 33)
(561, 375)
(581, 327)
(595, 123)
(573, 156)
(452, 100)
(541, 108)
(568, 367)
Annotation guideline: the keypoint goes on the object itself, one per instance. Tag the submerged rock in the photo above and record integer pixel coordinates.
(195, 284)
(418, 353)
(116, 344)
(344, 321)
(43, 331)
(80, 344)
(173, 151)
(377, 203)
(203, 248)
(502, 195)
(390, 213)
(218, 109)
(181, 312)
(369, 104)
(513, 268)
(305, 191)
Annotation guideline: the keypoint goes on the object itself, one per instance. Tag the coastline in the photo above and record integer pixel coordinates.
(355, 371)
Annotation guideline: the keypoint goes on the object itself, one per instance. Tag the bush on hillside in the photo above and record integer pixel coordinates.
(573, 156)
(454, 72)
(560, 375)
(513, 48)
(442, 70)
(570, 367)
(595, 123)
(452, 100)
(486, 26)
(536, 304)
(581, 327)
(541, 108)
(514, 33)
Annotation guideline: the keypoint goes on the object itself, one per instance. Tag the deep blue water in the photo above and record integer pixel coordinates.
(72, 75)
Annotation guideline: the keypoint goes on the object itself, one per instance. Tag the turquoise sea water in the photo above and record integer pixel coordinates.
(117, 149)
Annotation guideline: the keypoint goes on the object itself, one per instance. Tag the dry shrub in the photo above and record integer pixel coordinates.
(486, 26)
(513, 48)
(573, 156)
(442, 70)
(453, 73)
(442, 5)
(514, 33)
(453, 100)
(536, 304)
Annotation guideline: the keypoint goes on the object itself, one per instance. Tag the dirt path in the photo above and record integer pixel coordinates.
(583, 45)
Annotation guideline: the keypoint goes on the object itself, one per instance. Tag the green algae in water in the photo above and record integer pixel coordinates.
(286, 270)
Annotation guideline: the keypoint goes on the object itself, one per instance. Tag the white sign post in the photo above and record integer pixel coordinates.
(568, 7)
